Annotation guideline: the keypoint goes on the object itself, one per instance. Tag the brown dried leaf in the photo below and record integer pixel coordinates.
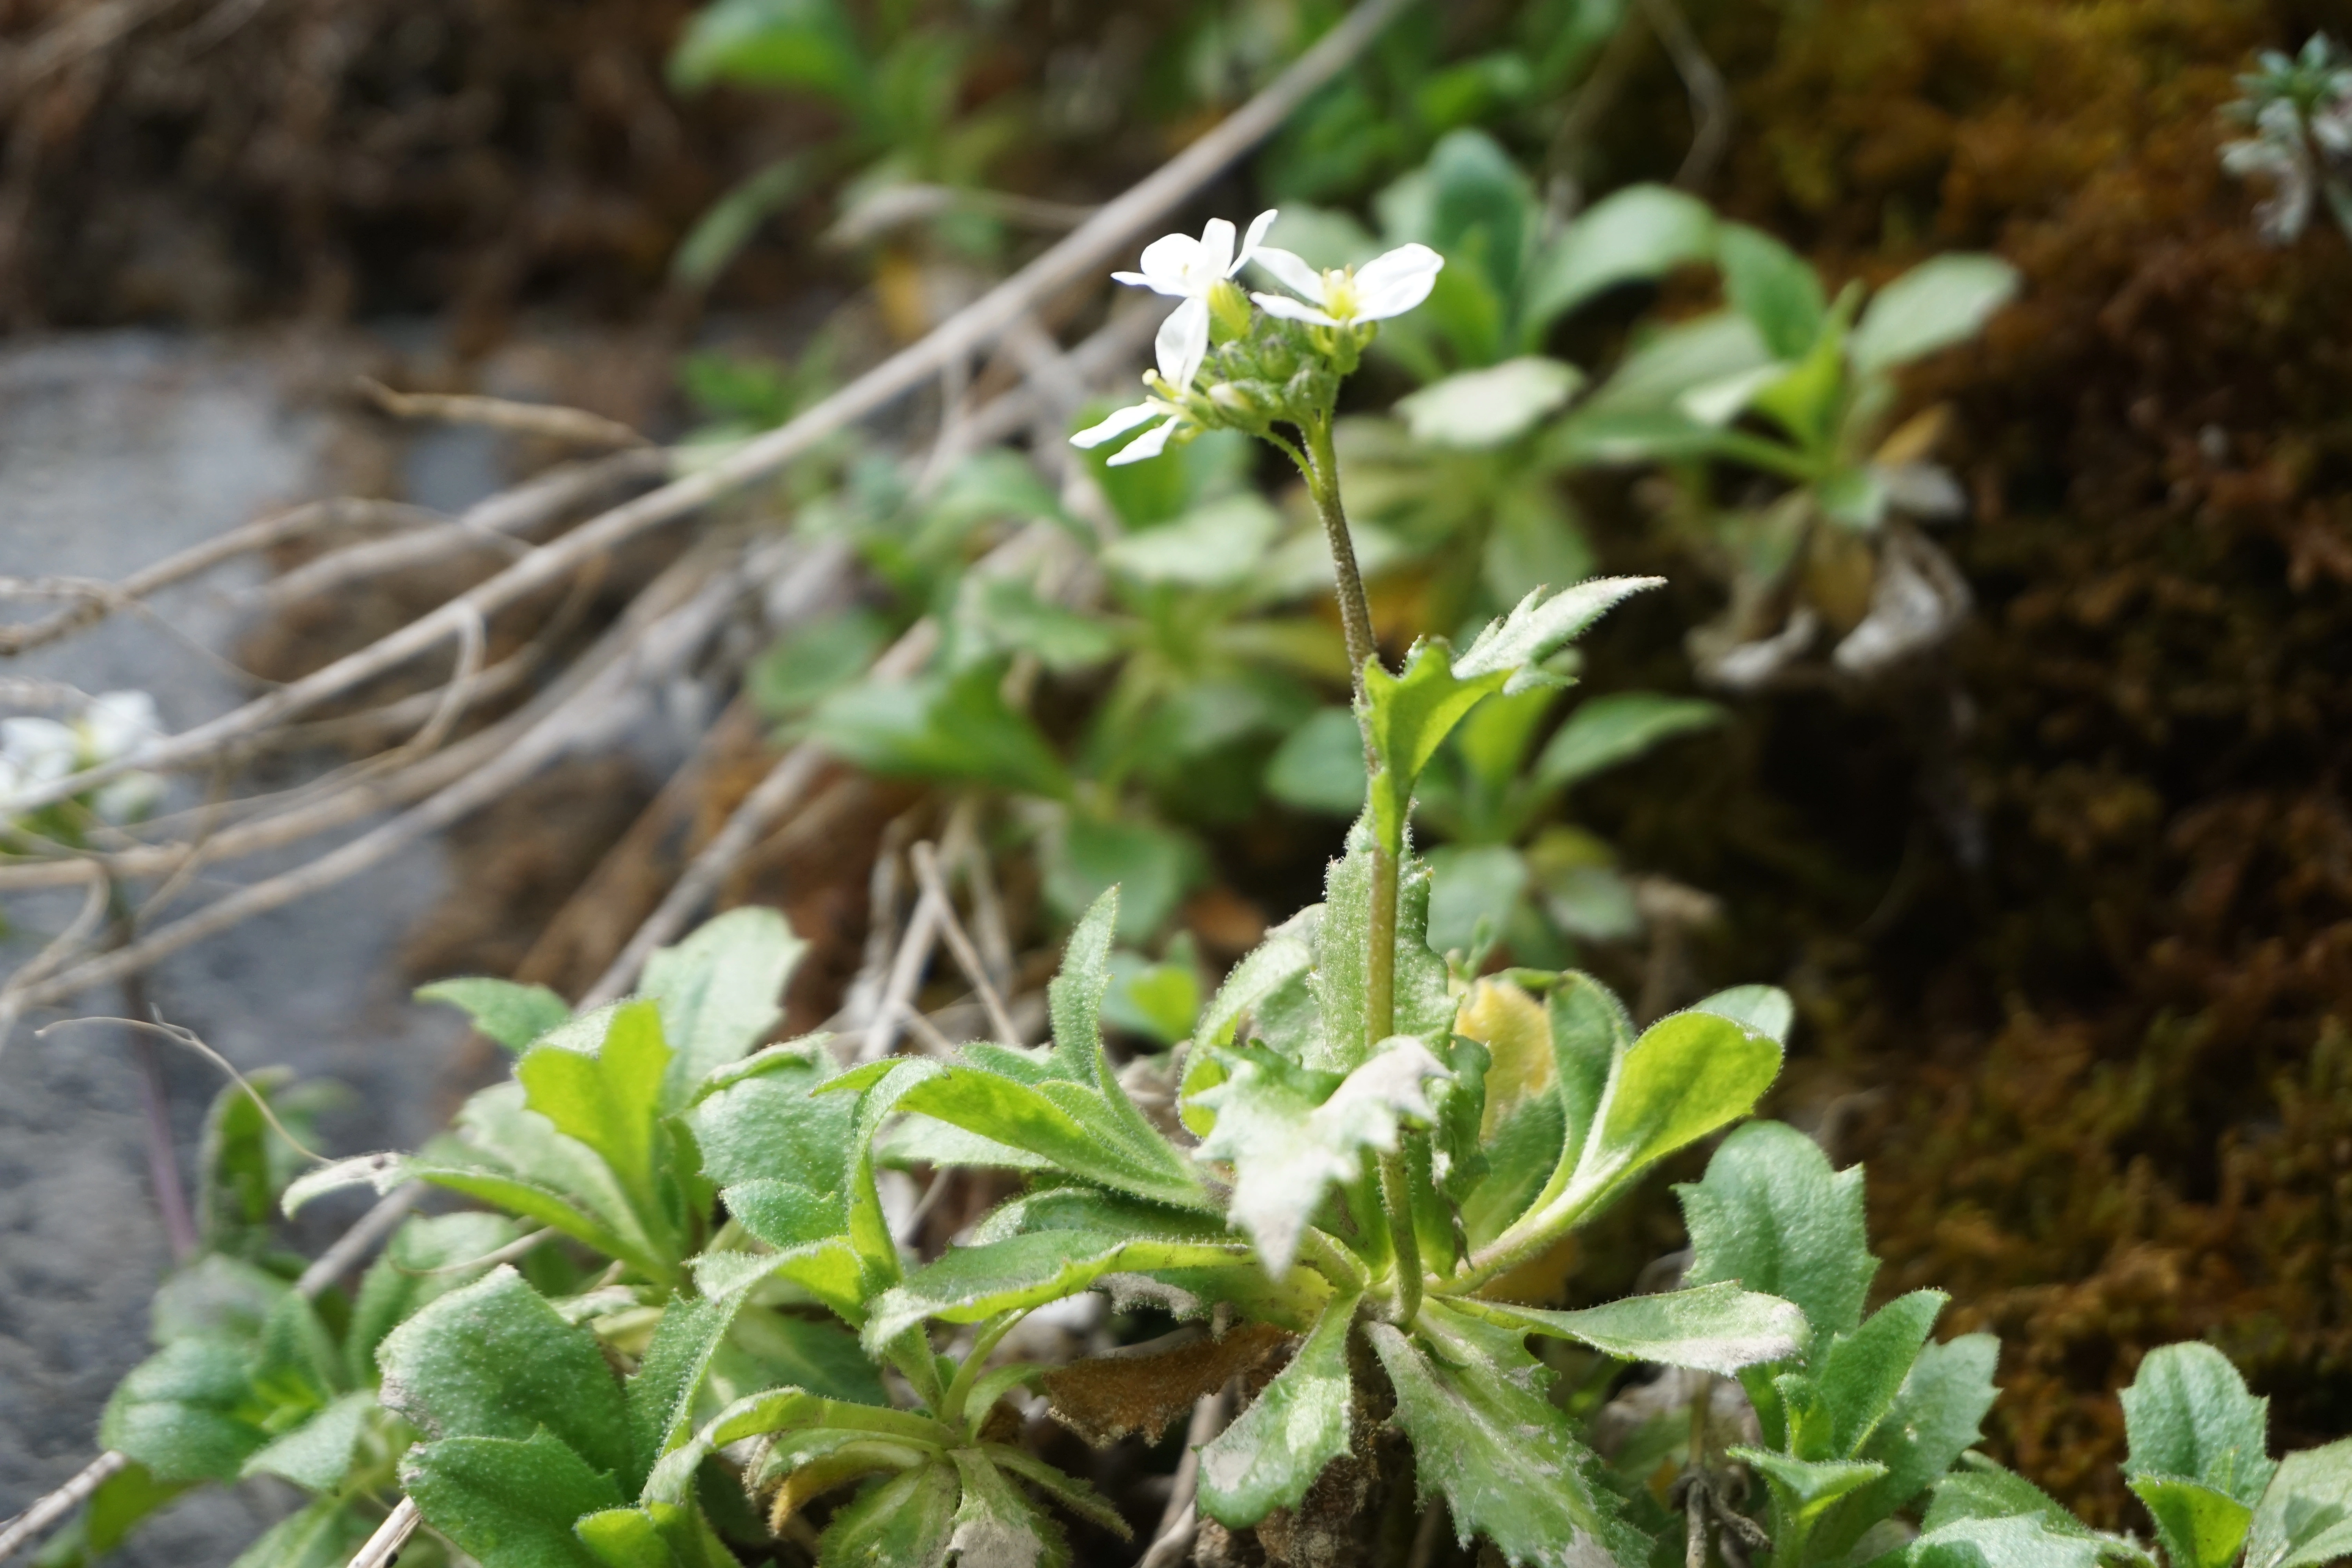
(1146, 1389)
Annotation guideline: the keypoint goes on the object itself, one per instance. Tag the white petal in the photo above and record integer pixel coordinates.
(1121, 421)
(1252, 239)
(1291, 271)
(1137, 280)
(1382, 274)
(1183, 342)
(1151, 444)
(1216, 251)
(1393, 298)
(1170, 261)
(116, 721)
(1292, 310)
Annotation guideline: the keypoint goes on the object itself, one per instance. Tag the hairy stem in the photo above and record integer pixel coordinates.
(1397, 1194)
(1379, 966)
(1323, 483)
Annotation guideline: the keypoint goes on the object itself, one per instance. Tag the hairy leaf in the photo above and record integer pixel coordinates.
(1687, 1075)
(970, 1283)
(1502, 1455)
(2200, 1527)
(495, 1360)
(719, 992)
(2187, 1415)
(1935, 1420)
(510, 1501)
(1297, 1425)
(907, 1520)
(1539, 626)
(2304, 1516)
(514, 1015)
(1291, 1132)
(425, 1258)
(182, 1411)
(316, 1454)
(1861, 1372)
(607, 1100)
(1773, 1216)
(1407, 716)
(1714, 1328)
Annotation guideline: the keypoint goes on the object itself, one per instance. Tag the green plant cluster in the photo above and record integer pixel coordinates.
(1367, 1150)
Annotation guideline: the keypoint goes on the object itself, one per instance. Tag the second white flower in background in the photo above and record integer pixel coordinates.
(1387, 285)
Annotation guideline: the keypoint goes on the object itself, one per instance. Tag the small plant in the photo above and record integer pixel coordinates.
(35, 750)
(1374, 1162)
(1793, 386)
(2300, 109)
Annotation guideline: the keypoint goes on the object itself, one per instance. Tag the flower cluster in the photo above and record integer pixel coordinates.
(113, 724)
(1335, 314)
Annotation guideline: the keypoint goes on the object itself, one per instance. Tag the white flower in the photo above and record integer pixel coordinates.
(39, 749)
(1151, 444)
(1188, 269)
(116, 722)
(1385, 285)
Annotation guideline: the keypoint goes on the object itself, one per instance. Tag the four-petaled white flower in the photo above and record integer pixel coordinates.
(1385, 285)
(1188, 269)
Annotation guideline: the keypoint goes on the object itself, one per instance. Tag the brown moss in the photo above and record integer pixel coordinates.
(2099, 1083)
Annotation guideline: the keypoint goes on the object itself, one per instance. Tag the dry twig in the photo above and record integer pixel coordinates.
(548, 419)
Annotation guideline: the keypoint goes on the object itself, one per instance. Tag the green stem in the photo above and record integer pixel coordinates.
(951, 1403)
(1323, 482)
(1322, 471)
(1396, 1191)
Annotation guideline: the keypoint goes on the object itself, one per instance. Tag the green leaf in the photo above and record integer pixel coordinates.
(1591, 1030)
(181, 1413)
(1063, 1487)
(1861, 1372)
(955, 727)
(1069, 1123)
(787, 1410)
(814, 660)
(1773, 287)
(1772, 1214)
(1714, 1328)
(514, 1015)
(2304, 1516)
(1688, 1074)
(1152, 868)
(1766, 1009)
(216, 1296)
(1285, 955)
(1502, 1455)
(1292, 1133)
(609, 1100)
(771, 1122)
(1935, 1419)
(2187, 1415)
(1478, 410)
(1005, 615)
(1215, 546)
(1671, 362)
(970, 1283)
(905, 1519)
(1296, 1426)
(2013, 1542)
(660, 1397)
(1539, 626)
(1074, 996)
(805, 44)
(1469, 884)
(1803, 1490)
(509, 1502)
(1319, 767)
(1408, 716)
(719, 991)
(2200, 1527)
(1941, 301)
(1635, 233)
(316, 1454)
(1986, 1491)
(993, 1525)
(1160, 1001)
(1606, 731)
(325, 1534)
(494, 1360)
